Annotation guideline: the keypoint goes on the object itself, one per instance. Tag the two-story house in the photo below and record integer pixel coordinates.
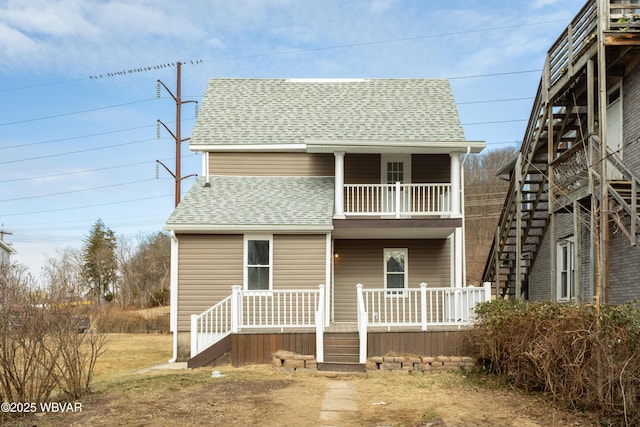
(569, 226)
(309, 188)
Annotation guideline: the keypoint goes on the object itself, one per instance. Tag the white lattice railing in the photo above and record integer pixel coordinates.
(421, 307)
(278, 309)
(397, 199)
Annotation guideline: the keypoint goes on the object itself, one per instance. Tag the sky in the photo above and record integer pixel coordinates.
(79, 105)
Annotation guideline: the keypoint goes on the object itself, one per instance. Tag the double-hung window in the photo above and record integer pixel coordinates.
(395, 269)
(258, 255)
(565, 269)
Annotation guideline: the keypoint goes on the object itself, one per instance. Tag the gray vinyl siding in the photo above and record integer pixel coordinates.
(208, 266)
(362, 261)
(299, 261)
(271, 164)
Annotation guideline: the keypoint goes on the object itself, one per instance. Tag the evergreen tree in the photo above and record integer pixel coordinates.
(100, 264)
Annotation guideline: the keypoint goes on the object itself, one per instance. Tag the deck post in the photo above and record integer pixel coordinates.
(339, 185)
(423, 306)
(236, 314)
(320, 327)
(398, 207)
(362, 324)
(194, 335)
(487, 291)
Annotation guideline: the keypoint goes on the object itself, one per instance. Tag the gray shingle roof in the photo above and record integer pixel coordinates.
(279, 111)
(233, 201)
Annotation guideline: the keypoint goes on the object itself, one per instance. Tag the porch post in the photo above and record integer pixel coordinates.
(320, 327)
(328, 281)
(236, 313)
(423, 305)
(455, 184)
(362, 324)
(194, 335)
(487, 291)
(339, 185)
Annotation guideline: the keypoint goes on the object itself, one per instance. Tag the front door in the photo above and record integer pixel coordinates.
(395, 169)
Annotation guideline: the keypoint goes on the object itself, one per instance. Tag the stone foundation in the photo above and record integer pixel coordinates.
(289, 361)
(418, 363)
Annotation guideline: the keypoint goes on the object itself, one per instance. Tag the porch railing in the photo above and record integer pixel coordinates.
(397, 199)
(421, 307)
(278, 309)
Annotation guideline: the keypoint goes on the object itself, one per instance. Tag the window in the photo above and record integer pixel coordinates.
(395, 172)
(566, 270)
(258, 256)
(395, 268)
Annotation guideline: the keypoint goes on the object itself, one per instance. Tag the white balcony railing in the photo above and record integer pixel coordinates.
(277, 309)
(421, 307)
(397, 199)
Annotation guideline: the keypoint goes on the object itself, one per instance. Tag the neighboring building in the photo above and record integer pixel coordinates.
(569, 227)
(6, 250)
(319, 182)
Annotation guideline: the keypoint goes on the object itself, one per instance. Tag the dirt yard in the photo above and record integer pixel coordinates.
(262, 396)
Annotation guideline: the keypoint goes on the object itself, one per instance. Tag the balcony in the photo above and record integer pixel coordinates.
(397, 200)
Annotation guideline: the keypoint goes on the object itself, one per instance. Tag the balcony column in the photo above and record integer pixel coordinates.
(339, 185)
(456, 212)
(455, 184)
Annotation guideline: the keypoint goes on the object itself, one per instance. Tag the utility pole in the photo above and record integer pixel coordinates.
(177, 135)
(3, 232)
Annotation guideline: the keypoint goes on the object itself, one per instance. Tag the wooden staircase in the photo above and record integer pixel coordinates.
(341, 352)
(624, 208)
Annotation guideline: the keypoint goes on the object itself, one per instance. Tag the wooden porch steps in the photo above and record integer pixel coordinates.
(341, 352)
(210, 354)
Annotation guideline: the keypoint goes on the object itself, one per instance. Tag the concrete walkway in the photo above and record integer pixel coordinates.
(340, 404)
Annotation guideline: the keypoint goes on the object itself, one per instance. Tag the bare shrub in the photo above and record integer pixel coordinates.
(579, 357)
(42, 354)
(112, 319)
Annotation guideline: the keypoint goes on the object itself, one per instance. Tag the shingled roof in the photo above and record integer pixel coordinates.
(292, 111)
(242, 202)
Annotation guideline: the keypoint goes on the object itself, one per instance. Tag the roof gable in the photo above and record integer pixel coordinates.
(280, 111)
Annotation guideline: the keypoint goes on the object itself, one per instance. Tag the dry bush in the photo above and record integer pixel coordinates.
(42, 354)
(585, 359)
(111, 319)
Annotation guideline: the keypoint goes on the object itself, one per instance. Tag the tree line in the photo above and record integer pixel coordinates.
(126, 271)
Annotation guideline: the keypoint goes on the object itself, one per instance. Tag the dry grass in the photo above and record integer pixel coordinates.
(259, 395)
(127, 353)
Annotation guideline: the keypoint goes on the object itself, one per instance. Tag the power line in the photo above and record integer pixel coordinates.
(66, 153)
(75, 191)
(138, 199)
(75, 112)
(308, 50)
(378, 42)
(78, 172)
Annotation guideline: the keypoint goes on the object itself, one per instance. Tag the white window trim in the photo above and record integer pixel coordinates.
(404, 158)
(245, 260)
(406, 272)
(568, 242)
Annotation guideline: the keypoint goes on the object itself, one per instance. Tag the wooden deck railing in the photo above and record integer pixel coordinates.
(421, 307)
(397, 199)
(278, 309)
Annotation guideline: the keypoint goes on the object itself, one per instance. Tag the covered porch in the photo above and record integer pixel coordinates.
(301, 316)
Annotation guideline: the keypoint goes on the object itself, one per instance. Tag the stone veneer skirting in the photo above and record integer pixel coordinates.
(291, 362)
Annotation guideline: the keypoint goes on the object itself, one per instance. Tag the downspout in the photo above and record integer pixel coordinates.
(464, 235)
(173, 301)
